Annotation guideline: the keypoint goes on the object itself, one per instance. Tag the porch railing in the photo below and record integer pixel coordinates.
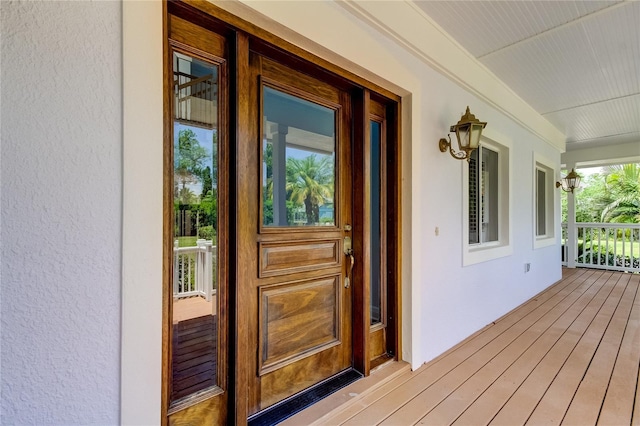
(613, 246)
(194, 270)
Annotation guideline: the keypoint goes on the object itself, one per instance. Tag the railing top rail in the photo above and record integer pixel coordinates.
(193, 249)
(605, 225)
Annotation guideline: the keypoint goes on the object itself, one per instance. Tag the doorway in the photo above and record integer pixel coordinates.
(304, 207)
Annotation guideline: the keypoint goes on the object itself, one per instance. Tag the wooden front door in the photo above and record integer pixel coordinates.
(293, 223)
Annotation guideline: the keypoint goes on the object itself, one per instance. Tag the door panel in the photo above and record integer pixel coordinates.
(299, 256)
(301, 318)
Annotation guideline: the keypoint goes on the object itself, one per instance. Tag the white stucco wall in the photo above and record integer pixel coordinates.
(61, 212)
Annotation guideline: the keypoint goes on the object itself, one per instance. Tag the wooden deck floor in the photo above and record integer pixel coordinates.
(570, 355)
(194, 355)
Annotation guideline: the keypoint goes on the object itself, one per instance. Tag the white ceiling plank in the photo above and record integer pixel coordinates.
(575, 62)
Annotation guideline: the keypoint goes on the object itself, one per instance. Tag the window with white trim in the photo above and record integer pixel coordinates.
(486, 203)
(543, 203)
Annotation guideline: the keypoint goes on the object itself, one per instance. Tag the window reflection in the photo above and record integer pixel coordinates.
(195, 196)
(298, 161)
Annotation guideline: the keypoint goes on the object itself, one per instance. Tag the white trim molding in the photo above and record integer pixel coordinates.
(541, 162)
(141, 356)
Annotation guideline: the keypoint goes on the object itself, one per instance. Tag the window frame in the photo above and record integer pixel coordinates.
(482, 252)
(540, 162)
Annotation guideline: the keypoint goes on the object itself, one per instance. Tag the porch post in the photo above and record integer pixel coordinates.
(572, 238)
(279, 168)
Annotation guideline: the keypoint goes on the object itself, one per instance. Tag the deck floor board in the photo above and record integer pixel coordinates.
(194, 355)
(570, 355)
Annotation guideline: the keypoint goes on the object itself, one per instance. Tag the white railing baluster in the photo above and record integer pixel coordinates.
(599, 248)
(606, 239)
(208, 270)
(631, 255)
(624, 246)
(591, 245)
(175, 268)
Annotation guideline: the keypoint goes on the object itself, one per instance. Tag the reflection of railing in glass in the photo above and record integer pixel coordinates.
(194, 270)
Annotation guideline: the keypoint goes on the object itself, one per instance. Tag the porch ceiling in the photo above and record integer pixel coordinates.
(576, 62)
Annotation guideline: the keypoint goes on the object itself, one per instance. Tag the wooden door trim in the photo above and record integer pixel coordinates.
(394, 229)
(362, 222)
(167, 220)
(244, 130)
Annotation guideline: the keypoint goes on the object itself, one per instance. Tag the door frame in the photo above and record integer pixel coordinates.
(243, 36)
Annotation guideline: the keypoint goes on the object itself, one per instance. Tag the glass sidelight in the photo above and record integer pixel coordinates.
(381, 336)
(298, 161)
(376, 231)
(194, 345)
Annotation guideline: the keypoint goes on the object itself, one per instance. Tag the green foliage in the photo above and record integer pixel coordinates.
(206, 232)
(190, 158)
(592, 198)
(195, 214)
(624, 182)
(186, 241)
(207, 182)
(310, 183)
(209, 208)
(611, 196)
(267, 211)
(186, 196)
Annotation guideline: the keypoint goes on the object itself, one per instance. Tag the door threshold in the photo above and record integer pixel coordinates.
(290, 406)
(334, 405)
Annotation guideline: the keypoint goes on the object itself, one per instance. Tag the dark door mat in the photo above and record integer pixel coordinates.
(289, 407)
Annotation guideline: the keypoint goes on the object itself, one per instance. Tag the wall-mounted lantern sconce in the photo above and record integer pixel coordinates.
(569, 182)
(468, 132)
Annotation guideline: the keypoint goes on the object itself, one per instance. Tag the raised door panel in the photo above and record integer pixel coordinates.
(297, 320)
(286, 258)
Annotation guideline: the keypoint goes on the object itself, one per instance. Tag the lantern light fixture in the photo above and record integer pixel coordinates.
(468, 131)
(570, 182)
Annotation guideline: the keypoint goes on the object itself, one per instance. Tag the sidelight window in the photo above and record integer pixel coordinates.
(195, 206)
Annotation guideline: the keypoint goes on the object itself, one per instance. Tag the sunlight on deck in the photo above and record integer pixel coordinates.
(192, 307)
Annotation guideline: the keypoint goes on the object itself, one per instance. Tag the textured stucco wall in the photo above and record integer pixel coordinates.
(61, 205)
